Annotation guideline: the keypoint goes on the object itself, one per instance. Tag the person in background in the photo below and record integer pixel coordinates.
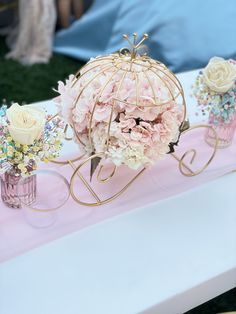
(30, 37)
(67, 9)
(184, 34)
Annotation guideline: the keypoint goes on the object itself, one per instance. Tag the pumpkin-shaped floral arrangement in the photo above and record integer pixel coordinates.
(127, 106)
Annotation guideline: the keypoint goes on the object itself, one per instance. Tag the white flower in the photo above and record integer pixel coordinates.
(133, 157)
(116, 155)
(26, 123)
(219, 75)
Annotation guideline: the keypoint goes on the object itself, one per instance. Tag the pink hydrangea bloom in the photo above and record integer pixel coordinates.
(133, 118)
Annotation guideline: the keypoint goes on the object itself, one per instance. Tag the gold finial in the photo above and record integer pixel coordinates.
(135, 45)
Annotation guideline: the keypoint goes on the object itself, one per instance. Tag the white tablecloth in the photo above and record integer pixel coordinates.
(164, 258)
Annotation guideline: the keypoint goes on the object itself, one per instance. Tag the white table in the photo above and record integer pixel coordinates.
(165, 258)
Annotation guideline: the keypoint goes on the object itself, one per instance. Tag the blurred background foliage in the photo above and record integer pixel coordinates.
(32, 83)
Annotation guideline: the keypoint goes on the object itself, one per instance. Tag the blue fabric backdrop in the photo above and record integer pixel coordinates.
(184, 34)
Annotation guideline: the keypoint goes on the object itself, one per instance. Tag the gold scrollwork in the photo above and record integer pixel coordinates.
(67, 161)
(103, 180)
(185, 169)
(67, 138)
(99, 200)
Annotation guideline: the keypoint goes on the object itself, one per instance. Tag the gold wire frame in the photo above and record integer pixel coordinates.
(128, 63)
(186, 169)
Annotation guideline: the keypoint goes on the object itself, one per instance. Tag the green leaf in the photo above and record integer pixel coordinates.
(94, 163)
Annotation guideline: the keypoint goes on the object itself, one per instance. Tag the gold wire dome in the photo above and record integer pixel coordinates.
(129, 63)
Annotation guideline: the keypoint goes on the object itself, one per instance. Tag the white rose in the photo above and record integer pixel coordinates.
(26, 123)
(219, 75)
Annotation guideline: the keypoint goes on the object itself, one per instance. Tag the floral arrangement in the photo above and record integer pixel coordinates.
(215, 90)
(27, 135)
(140, 134)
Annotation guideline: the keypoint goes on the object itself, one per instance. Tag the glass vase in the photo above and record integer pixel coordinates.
(11, 194)
(225, 131)
(53, 191)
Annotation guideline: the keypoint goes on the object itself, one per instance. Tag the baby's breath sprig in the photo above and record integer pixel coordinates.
(24, 158)
(221, 106)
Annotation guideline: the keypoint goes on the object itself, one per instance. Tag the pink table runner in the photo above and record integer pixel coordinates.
(161, 181)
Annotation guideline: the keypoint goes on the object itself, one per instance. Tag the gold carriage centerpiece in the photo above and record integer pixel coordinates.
(127, 111)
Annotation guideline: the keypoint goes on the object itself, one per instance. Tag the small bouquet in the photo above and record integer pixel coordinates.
(27, 136)
(215, 90)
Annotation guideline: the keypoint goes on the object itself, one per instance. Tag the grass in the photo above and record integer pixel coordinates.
(35, 83)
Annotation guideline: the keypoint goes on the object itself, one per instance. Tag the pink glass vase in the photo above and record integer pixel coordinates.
(225, 131)
(10, 190)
